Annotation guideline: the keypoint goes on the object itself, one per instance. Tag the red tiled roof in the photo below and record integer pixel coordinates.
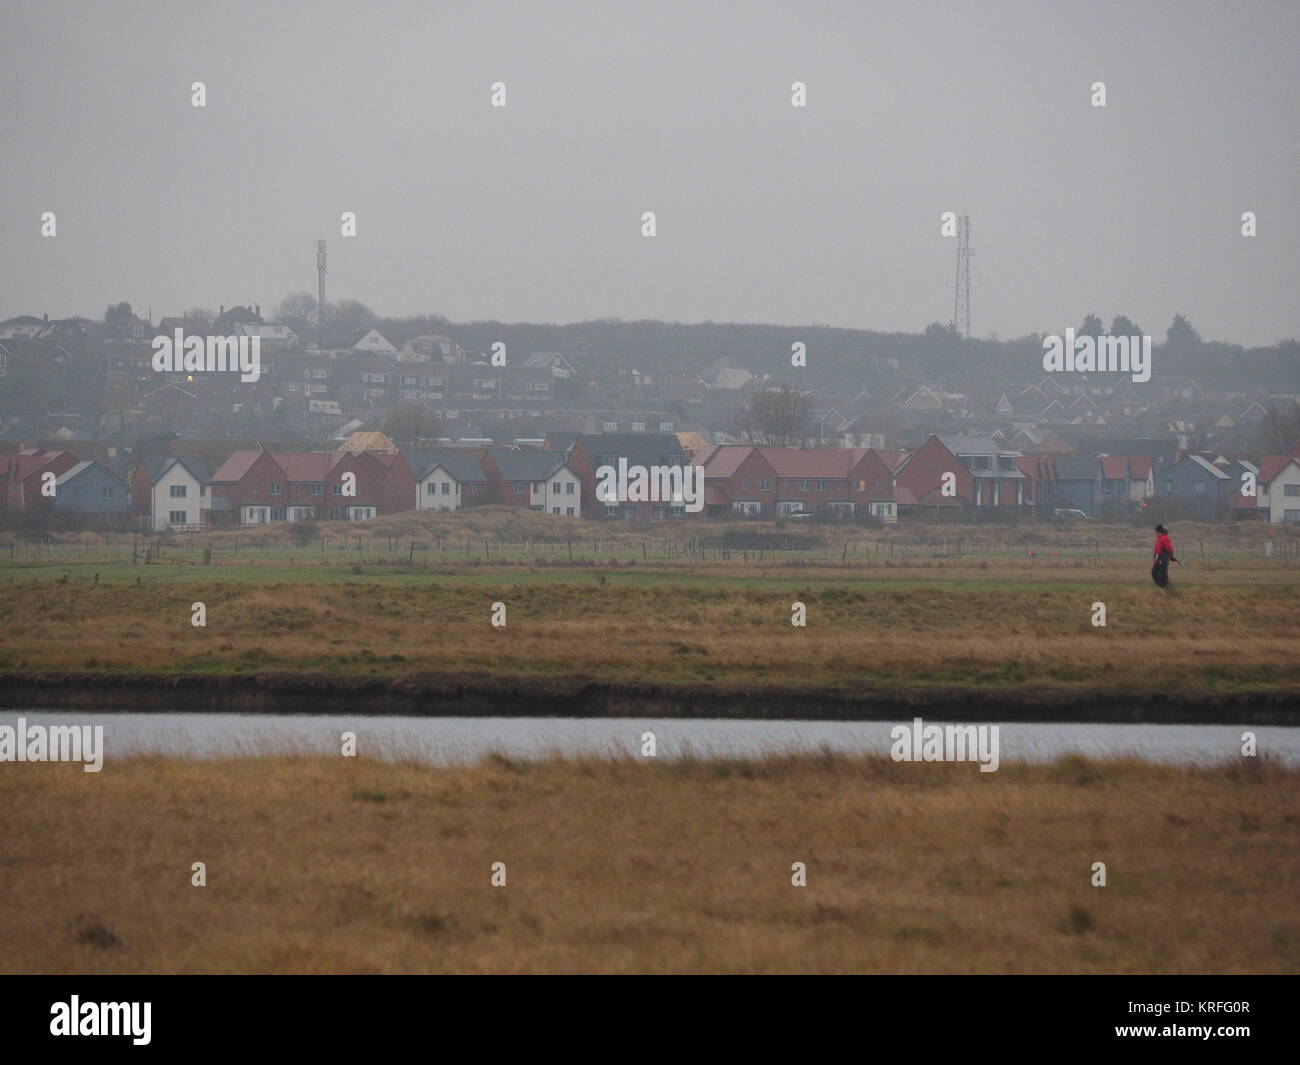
(236, 465)
(306, 466)
(715, 496)
(1271, 465)
(891, 459)
(808, 462)
(1114, 467)
(31, 461)
(1139, 467)
(725, 459)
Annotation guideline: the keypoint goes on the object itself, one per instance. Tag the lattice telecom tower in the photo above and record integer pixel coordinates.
(320, 298)
(961, 298)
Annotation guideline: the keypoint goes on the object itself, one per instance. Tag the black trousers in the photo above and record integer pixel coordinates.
(1160, 572)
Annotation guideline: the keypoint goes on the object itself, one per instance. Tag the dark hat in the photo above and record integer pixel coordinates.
(1161, 528)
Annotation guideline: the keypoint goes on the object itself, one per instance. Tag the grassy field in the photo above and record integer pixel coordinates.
(910, 614)
(625, 865)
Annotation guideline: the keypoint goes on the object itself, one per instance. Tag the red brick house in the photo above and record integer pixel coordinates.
(737, 477)
(21, 476)
(919, 479)
(318, 486)
(247, 489)
(812, 480)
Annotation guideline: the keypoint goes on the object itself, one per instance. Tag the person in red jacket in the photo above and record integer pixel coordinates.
(1164, 554)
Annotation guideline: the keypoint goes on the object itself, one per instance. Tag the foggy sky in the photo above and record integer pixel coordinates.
(766, 213)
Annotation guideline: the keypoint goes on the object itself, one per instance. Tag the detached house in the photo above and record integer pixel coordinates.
(1197, 482)
(93, 488)
(170, 493)
(446, 479)
(1278, 490)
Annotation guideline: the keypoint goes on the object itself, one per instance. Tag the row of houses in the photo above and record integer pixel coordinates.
(254, 486)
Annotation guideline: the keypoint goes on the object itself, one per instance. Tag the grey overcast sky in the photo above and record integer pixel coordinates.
(766, 213)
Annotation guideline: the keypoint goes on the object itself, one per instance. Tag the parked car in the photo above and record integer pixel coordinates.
(1070, 512)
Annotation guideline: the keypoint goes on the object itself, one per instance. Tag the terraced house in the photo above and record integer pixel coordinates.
(538, 480)
(256, 487)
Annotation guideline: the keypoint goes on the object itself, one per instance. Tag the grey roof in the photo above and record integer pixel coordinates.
(968, 445)
(197, 468)
(1077, 468)
(640, 449)
(80, 468)
(461, 465)
(1208, 467)
(527, 465)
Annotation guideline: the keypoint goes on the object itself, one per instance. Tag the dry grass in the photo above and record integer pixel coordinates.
(341, 865)
(885, 635)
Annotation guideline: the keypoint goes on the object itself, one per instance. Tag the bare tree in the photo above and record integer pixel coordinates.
(298, 311)
(775, 418)
(412, 427)
(1280, 428)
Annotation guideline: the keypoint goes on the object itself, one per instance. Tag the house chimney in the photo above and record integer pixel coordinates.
(221, 312)
(47, 317)
(258, 310)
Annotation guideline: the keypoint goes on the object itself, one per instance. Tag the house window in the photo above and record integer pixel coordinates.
(275, 489)
(821, 486)
(611, 427)
(568, 488)
(539, 486)
(277, 513)
(665, 427)
(744, 486)
(203, 489)
(430, 488)
(337, 489)
(638, 427)
(804, 485)
(862, 486)
(178, 517)
(555, 510)
(1291, 490)
(446, 488)
(557, 488)
(317, 489)
(764, 486)
(177, 491)
(252, 488)
(1200, 488)
(611, 511)
(106, 493)
(568, 511)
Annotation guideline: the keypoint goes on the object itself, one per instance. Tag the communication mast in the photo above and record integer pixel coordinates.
(961, 297)
(320, 298)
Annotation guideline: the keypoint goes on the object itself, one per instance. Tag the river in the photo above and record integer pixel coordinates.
(446, 740)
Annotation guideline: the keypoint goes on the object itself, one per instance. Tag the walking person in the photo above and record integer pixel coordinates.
(1164, 554)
